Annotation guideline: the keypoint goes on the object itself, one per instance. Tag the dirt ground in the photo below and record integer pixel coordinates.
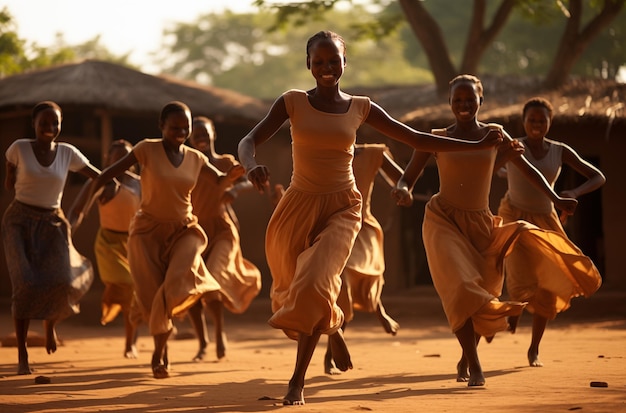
(413, 371)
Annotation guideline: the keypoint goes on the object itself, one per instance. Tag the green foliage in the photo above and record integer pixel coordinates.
(528, 43)
(248, 53)
(16, 55)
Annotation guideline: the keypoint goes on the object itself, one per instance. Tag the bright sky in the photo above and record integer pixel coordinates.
(124, 26)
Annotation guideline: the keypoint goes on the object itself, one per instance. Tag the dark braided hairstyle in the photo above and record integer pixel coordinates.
(325, 35)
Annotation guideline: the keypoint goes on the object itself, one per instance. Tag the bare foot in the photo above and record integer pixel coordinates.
(462, 371)
(512, 321)
(533, 359)
(131, 352)
(294, 396)
(201, 353)
(329, 366)
(390, 325)
(51, 337)
(159, 371)
(476, 379)
(221, 344)
(340, 352)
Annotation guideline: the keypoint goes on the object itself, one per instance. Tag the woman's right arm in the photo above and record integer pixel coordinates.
(259, 175)
(403, 192)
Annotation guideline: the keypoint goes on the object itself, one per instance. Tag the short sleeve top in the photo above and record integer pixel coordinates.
(165, 188)
(38, 185)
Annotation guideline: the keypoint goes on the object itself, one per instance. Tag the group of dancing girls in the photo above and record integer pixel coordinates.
(323, 246)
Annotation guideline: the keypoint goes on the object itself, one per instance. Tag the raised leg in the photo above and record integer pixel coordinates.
(512, 322)
(198, 321)
(539, 326)
(51, 335)
(130, 349)
(216, 309)
(390, 325)
(21, 334)
(329, 363)
(306, 347)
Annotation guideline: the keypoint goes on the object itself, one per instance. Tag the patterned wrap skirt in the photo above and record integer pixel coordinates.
(48, 276)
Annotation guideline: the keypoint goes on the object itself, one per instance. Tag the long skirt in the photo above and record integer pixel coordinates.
(48, 276)
(547, 292)
(111, 249)
(239, 279)
(363, 278)
(167, 268)
(309, 239)
(466, 251)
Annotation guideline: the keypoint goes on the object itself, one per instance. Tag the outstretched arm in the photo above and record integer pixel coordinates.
(426, 142)
(81, 204)
(403, 191)
(259, 175)
(595, 178)
(390, 170)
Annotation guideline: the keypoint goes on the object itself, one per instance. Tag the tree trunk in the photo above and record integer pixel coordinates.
(479, 39)
(431, 38)
(573, 43)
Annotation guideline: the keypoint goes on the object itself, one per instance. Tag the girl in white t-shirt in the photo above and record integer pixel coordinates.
(48, 276)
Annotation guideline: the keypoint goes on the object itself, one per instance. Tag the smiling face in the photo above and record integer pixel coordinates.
(465, 100)
(326, 60)
(175, 128)
(536, 122)
(202, 137)
(47, 125)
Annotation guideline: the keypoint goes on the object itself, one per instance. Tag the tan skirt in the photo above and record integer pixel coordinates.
(547, 289)
(309, 239)
(363, 279)
(239, 279)
(167, 268)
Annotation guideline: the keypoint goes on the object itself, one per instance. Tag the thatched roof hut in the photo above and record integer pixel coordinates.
(118, 88)
(104, 101)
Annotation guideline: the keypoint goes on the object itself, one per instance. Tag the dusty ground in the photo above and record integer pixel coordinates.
(413, 371)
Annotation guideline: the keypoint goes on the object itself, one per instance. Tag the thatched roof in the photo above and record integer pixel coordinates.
(590, 100)
(114, 87)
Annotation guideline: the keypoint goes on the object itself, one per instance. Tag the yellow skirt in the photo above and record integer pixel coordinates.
(548, 289)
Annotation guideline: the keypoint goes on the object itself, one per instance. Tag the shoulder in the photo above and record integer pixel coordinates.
(555, 143)
(439, 131)
(196, 154)
(71, 150)
(20, 143)
(293, 95)
(144, 144)
(68, 147)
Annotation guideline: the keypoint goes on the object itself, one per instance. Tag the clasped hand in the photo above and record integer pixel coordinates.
(260, 177)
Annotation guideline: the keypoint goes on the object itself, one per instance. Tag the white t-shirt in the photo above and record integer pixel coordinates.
(38, 185)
